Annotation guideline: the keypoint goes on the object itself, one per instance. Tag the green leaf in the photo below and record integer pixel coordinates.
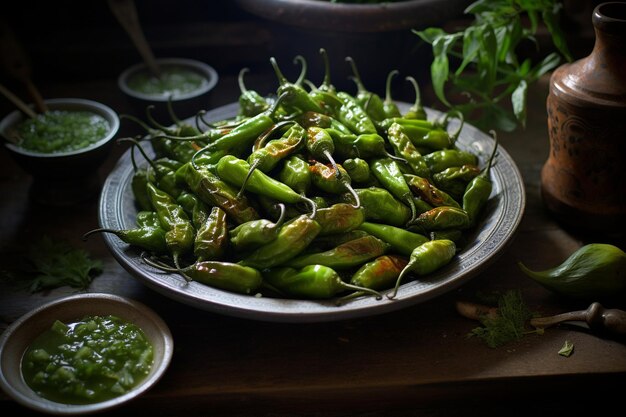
(440, 68)
(56, 264)
(567, 349)
(471, 45)
(548, 63)
(429, 35)
(518, 100)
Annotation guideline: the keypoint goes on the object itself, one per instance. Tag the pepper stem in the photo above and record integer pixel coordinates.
(390, 76)
(153, 121)
(326, 84)
(100, 230)
(357, 77)
(354, 194)
(406, 269)
(361, 290)
(170, 111)
(417, 107)
(141, 150)
(301, 77)
(281, 78)
(242, 85)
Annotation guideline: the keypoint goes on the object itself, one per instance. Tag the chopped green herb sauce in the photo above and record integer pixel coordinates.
(92, 360)
(61, 131)
(174, 80)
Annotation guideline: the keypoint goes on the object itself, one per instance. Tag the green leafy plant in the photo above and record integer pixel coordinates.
(479, 65)
(48, 263)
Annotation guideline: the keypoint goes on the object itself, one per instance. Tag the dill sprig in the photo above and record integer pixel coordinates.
(509, 324)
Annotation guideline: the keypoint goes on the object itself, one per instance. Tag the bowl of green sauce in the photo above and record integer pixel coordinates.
(182, 88)
(63, 148)
(84, 353)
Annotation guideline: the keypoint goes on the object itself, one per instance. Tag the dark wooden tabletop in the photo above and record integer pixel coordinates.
(416, 361)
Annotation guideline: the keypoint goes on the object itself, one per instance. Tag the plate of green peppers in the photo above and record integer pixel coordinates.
(258, 211)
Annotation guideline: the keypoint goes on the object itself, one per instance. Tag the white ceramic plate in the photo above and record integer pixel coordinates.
(16, 339)
(501, 218)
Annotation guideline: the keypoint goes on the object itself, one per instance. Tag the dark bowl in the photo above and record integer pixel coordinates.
(183, 105)
(378, 37)
(64, 177)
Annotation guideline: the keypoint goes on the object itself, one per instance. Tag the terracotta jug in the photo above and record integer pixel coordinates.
(583, 182)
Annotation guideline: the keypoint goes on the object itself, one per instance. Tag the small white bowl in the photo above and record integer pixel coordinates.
(17, 337)
(184, 105)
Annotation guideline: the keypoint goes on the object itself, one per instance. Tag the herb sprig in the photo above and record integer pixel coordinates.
(479, 66)
(49, 263)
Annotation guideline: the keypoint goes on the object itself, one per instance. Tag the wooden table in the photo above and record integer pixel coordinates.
(417, 361)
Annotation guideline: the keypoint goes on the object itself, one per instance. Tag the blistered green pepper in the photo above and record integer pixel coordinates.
(441, 218)
(422, 188)
(380, 273)
(295, 174)
(209, 188)
(212, 237)
(380, 205)
(256, 233)
(339, 218)
(311, 281)
(347, 255)
(596, 270)
(478, 190)
(401, 240)
(439, 160)
(427, 258)
(292, 239)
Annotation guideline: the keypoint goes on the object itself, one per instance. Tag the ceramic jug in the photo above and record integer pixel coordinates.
(583, 182)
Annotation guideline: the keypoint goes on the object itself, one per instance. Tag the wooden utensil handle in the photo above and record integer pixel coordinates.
(126, 14)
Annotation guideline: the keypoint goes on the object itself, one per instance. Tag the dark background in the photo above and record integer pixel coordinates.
(75, 41)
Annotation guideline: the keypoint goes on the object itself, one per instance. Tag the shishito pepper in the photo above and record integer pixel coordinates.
(223, 275)
(594, 271)
(347, 255)
(235, 171)
(212, 237)
(251, 102)
(256, 233)
(478, 190)
(292, 239)
(359, 170)
(454, 180)
(427, 258)
(212, 190)
(441, 218)
(295, 97)
(416, 111)
(179, 232)
(403, 147)
(380, 273)
(380, 205)
(423, 188)
(242, 136)
(149, 235)
(439, 160)
(400, 240)
(295, 174)
(339, 218)
(311, 282)
(333, 180)
(388, 173)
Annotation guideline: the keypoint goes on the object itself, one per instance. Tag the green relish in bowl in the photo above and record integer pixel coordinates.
(61, 131)
(174, 80)
(87, 361)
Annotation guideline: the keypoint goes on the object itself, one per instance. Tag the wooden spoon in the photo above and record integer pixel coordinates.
(597, 317)
(14, 61)
(17, 101)
(126, 13)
